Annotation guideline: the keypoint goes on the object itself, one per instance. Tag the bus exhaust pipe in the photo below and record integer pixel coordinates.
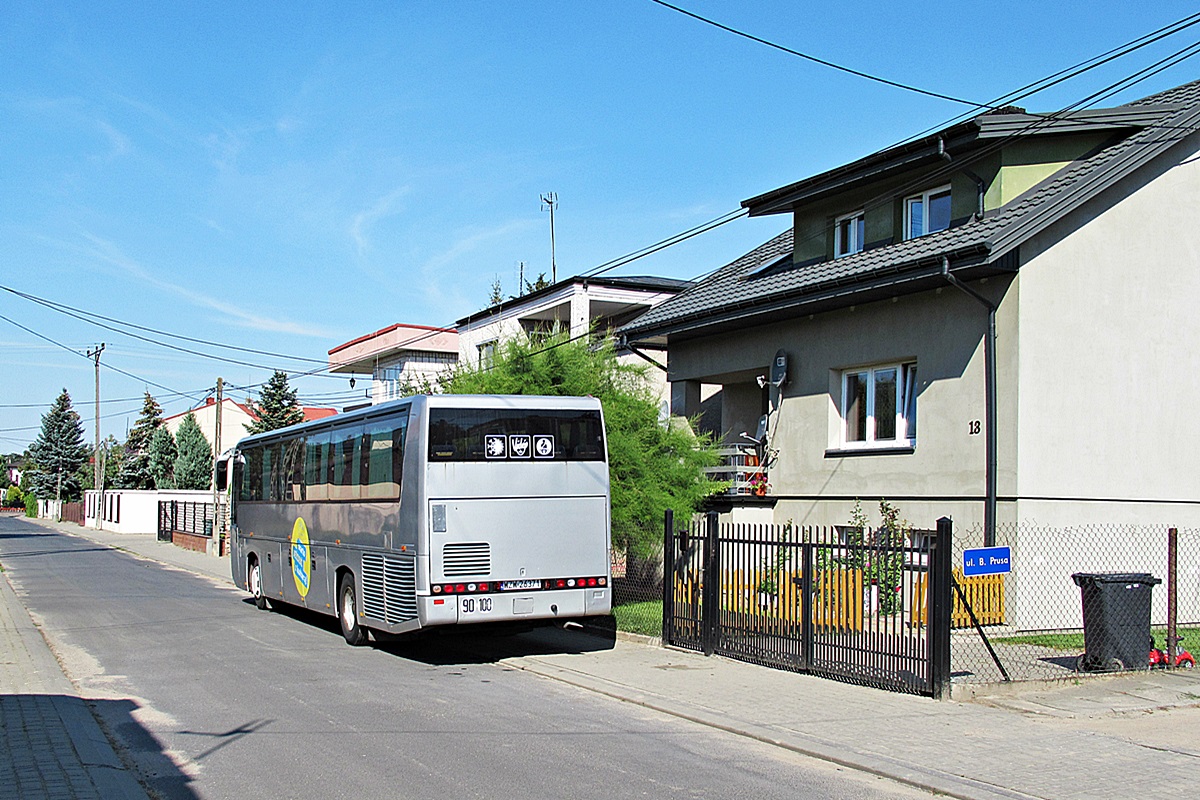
(570, 625)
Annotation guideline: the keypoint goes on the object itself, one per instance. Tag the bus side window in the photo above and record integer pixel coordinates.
(398, 434)
(274, 482)
(252, 475)
(316, 466)
(293, 469)
(268, 470)
(383, 454)
(346, 461)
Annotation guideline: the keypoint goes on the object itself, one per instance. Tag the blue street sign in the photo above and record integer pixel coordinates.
(987, 561)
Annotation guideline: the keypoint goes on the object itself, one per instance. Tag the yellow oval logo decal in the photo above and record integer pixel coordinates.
(301, 557)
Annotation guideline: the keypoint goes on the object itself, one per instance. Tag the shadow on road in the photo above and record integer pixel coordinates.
(473, 644)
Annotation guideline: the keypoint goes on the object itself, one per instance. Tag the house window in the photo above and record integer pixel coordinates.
(849, 232)
(879, 406)
(927, 213)
(487, 353)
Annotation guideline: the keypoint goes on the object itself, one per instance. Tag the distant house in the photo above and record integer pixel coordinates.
(13, 471)
(397, 358)
(997, 321)
(572, 305)
(402, 358)
(234, 418)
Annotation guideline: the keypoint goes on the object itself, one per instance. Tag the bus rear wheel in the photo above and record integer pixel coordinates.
(256, 586)
(355, 634)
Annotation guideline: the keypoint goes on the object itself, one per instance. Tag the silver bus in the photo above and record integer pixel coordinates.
(432, 510)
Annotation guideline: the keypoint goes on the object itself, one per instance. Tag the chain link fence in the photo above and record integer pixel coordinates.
(1078, 599)
(637, 591)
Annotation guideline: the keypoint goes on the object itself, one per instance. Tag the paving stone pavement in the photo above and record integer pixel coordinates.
(1097, 737)
(51, 747)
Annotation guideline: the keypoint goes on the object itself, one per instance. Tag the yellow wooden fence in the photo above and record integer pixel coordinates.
(985, 593)
(838, 597)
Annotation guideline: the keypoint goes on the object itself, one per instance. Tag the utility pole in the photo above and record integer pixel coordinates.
(215, 542)
(549, 203)
(97, 471)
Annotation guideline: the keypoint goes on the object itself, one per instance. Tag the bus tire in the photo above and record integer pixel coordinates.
(355, 633)
(256, 586)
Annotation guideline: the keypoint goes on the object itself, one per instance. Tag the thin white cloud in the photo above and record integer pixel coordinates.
(119, 143)
(109, 253)
(382, 208)
(447, 300)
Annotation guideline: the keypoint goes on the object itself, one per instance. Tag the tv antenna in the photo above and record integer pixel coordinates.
(549, 203)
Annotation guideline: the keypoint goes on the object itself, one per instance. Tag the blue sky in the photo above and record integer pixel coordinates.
(288, 176)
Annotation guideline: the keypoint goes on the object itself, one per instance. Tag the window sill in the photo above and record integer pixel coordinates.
(849, 452)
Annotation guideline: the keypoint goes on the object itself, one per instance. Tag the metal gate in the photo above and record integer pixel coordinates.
(866, 606)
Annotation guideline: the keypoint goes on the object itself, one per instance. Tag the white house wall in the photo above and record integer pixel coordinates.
(1109, 392)
(233, 422)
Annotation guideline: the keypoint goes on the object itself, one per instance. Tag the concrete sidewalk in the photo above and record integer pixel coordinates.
(1104, 737)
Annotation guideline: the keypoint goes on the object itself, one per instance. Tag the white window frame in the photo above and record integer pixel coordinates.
(856, 241)
(906, 407)
(924, 200)
(487, 352)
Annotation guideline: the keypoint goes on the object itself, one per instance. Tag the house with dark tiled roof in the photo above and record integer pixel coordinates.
(997, 321)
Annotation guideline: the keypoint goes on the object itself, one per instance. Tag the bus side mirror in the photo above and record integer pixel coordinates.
(221, 478)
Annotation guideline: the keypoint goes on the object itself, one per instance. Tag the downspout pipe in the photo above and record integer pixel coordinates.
(989, 356)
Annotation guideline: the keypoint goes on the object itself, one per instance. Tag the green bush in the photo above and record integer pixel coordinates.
(14, 497)
(31, 505)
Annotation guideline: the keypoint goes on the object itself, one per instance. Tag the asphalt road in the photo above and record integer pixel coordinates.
(209, 697)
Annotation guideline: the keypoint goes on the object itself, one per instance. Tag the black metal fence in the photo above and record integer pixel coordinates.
(865, 606)
(1040, 622)
(177, 516)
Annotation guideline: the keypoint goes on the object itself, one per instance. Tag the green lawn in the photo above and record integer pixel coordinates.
(1074, 641)
(644, 617)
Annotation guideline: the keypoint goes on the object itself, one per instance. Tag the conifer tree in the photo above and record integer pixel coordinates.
(194, 462)
(135, 469)
(58, 452)
(163, 453)
(277, 406)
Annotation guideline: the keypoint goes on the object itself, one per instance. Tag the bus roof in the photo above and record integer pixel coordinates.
(490, 401)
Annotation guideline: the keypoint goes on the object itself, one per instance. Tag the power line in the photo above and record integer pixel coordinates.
(62, 307)
(146, 381)
(859, 73)
(1039, 121)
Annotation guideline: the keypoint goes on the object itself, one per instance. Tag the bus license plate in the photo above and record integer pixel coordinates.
(475, 605)
(518, 586)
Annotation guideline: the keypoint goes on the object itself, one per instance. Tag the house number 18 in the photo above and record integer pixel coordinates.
(973, 427)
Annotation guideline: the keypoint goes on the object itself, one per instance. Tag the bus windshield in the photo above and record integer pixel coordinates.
(459, 434)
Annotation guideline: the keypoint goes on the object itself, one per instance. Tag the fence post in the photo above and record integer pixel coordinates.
(806, 606)
(940, 604)
(1172, 608)
(711, 597)
(668, 612)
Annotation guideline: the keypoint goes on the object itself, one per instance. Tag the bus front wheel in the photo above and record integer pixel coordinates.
(256, 586)
(348, 612)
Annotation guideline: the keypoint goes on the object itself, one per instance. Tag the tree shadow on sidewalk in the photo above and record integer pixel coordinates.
(51, 743)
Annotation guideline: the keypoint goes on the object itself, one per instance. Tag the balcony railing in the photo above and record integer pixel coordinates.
(746, 476)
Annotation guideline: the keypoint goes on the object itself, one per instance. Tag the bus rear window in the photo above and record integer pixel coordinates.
(459, 434)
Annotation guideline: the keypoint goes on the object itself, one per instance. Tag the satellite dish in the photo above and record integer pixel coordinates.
(779, 369)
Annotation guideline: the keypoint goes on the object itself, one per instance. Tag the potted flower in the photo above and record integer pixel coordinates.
(759, 484)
